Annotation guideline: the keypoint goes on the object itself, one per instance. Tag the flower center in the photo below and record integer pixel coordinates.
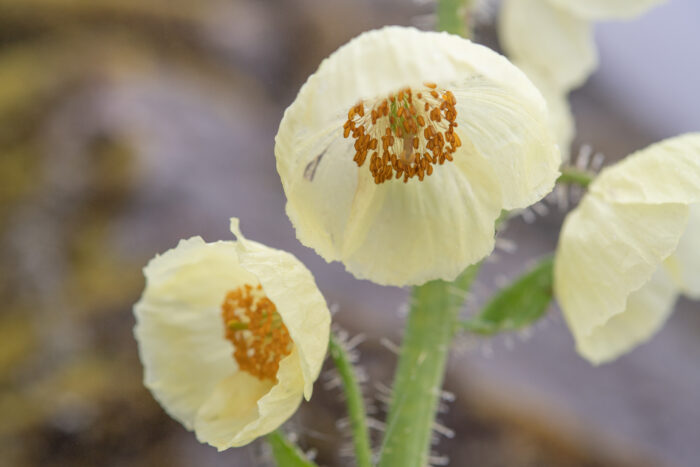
(416, 129)
(256, 330)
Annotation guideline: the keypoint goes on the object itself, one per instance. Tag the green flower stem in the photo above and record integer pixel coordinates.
(431, 325)
(286, 453)
(355, 404)
(450, 15)
(576, 177)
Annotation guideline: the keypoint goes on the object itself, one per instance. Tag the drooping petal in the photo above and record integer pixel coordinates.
(665, 172)
(646, 312)
(606, 252)
(179, 329)
(334, 205)
(552, 40)
(601, 10)
(292, 288)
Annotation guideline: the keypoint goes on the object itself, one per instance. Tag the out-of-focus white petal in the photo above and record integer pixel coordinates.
(646, 312)
(684, 264)
(665, 172)
(607, 251)
(292, 288)
(606, 9)
(336, 207)
(552, 40)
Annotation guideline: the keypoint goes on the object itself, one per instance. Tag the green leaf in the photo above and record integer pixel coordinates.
(518, 305)
(286, 453)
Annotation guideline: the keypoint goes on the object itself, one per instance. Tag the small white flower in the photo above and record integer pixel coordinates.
(400, 152)
(231, 335)
(630, 247)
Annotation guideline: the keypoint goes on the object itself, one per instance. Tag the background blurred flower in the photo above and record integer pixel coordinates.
(629, 248)
(231, 335)
(386, 206)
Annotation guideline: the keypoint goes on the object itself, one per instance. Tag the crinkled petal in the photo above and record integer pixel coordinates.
(243, 408)
(607, 9)
(684, 264)
(292, 288)
(179, 327)
(430, 229)
(665, 172)
(607, 251)
(552, 40)
(561, 120)
(333, 204)
(646, 312)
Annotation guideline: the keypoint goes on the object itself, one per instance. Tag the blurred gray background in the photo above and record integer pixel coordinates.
(126, 125)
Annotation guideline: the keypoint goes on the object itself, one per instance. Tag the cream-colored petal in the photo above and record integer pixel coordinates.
(607, 9)
(292, 288)
(552, 40)
(243, 408)
(515, 138)
(179, 327)
(334, 205)
(607, 251)
(646, 312)
(665, 172)
(561, 120)
(430, 229)
(684, 264)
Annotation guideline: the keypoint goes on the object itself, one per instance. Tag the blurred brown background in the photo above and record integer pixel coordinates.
(128, 124)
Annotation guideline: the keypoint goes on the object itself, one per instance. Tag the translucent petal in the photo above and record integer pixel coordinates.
(607, 9)
(561, 120)
(549, 39)
(243, 408)
(684, 264)
(430, 229)
(292, 288)
(334, 205)
(179, 327)
(646, 312)
(607, 251)
(665, 172)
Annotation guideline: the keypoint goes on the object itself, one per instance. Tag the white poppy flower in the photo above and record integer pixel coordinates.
(400, 152)
(630, 247)
(231, 335)
(556, 36)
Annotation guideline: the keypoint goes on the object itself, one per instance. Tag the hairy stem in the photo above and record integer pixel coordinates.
(431, 325)
(286, 453)
(355, 404)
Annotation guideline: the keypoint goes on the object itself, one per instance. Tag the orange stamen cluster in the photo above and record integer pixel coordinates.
(256, 330)
(416, 130)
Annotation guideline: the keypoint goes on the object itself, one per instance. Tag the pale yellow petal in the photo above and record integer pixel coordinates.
(665, 172)
(646, 312)
(549, 39)
(430, 229)
(243, 408)
(179, 327)
(607, 9)
(291, 287)
(561, 120)
(607, 251)
(684, 264)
